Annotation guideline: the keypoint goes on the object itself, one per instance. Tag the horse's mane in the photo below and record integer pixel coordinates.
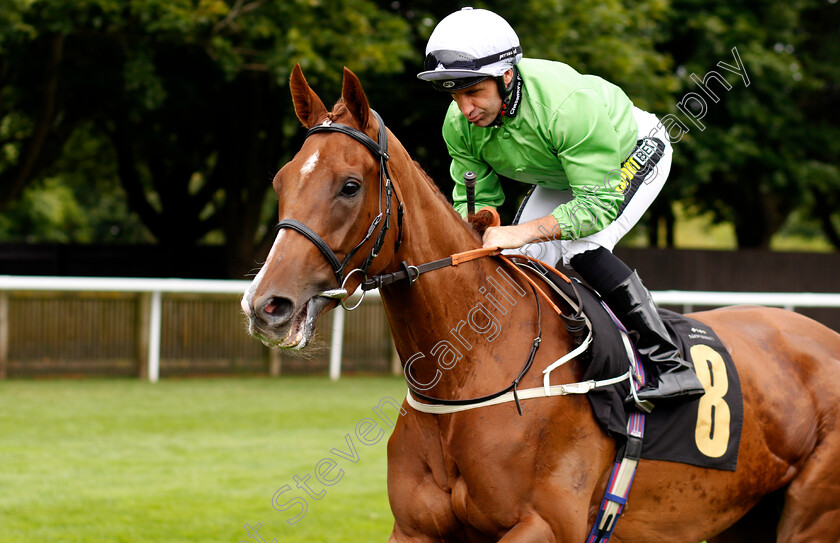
(428, 179)
(436, 190)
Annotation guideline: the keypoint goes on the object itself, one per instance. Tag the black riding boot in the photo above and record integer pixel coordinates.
(675, 378)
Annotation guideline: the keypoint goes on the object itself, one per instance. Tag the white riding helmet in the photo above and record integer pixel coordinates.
(468, 46)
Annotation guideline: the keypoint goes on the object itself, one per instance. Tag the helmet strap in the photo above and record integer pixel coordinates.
(511, 96)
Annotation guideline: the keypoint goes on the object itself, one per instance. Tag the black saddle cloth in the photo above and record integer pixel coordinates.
(705, 432)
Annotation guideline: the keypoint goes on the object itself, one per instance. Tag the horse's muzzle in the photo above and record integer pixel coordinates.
(278, 322)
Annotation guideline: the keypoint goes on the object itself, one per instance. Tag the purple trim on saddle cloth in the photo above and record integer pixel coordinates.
(640, 378)
(615, 496)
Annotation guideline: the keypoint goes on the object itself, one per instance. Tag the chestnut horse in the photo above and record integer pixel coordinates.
(491, 474)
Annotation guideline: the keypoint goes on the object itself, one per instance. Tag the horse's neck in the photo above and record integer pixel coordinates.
(433, 228)
(453, 319)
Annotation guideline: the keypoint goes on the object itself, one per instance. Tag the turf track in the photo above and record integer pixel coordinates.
(193, 460)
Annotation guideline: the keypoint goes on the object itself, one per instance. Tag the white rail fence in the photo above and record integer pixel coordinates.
(156, 288)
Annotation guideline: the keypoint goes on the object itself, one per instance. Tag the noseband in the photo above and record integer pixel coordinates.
(379, 149)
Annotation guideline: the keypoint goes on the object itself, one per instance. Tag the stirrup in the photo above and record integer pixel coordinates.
(633, 399)
(644, 406)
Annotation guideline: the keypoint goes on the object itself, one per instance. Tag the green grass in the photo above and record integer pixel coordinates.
(189, 460)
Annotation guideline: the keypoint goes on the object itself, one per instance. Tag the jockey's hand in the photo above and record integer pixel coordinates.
(504, 237)
(513, 237)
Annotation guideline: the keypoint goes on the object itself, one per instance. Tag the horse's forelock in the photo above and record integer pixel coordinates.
(342, 114)
(339, 111)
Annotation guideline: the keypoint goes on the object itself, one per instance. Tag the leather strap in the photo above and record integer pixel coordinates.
(466, 256)
(379, 149)
(411, 273)
(316, 240)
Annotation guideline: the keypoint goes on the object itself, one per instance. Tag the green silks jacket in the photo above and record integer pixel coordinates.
(570, 131)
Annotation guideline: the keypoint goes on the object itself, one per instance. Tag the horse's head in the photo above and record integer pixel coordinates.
(337, 214)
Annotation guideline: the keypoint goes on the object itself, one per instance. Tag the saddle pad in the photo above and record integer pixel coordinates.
(705, 432)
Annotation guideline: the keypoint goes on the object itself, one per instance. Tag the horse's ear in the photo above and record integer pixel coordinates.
(308, 107)
(354, 98)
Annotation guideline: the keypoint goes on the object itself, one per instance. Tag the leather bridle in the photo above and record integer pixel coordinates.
(379, 149)
(408, 273)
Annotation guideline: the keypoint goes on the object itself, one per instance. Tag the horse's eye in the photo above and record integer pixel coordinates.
(350, 188)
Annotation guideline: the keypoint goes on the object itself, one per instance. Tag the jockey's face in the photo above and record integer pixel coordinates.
(481, 103)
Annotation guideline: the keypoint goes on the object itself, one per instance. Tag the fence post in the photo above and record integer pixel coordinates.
(154, 336)
(275, 362)
(4, 334)
(336, 343)
(144, 308)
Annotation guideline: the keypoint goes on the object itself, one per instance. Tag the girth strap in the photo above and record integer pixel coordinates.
(627, 457)
(512, 388)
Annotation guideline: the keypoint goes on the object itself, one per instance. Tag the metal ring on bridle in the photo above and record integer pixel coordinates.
(412, 278)
(380, 149)
(364, 292)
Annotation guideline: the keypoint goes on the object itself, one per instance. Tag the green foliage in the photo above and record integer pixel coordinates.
(757, 158)
(186, 99)
(79, 200)
(186, 104)
(615, 39)
(47, 213)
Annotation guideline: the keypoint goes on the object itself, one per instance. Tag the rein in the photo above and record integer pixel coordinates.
(411, 273)
(408, 272)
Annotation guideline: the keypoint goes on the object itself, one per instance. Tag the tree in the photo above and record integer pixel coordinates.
(185, 102)
(764, 148)
(78, 199)
(819, 101)
(191, 97)
(31, 132)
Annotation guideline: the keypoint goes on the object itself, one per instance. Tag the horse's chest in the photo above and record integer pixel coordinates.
(472, 510)
(486, 483)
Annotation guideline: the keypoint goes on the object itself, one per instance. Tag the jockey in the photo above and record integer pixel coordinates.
(593, 158)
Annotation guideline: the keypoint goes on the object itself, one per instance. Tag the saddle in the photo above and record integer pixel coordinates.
(605, 349)
(705, 432)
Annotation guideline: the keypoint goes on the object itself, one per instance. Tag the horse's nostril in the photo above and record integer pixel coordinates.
(278, 308)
